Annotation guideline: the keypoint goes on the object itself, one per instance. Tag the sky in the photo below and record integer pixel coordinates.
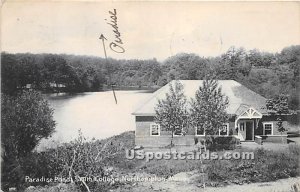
(148, 29)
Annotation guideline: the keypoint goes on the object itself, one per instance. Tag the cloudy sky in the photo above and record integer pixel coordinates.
(148, 29)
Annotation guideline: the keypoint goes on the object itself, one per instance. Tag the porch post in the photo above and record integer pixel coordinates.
(236, 126)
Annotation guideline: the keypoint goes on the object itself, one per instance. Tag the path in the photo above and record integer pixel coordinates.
(189, 183)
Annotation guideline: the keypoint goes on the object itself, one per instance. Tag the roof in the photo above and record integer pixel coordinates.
(239, 97)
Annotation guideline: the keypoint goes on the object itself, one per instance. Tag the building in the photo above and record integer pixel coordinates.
(248, 120)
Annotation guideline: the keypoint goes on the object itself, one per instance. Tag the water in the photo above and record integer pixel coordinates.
(94, 113)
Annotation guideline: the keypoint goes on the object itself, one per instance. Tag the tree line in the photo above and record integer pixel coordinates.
(265, 73)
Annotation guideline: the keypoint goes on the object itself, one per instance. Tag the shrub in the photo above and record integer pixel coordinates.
(266, 166)
(80, 158)
(215, 143)
(25, 120)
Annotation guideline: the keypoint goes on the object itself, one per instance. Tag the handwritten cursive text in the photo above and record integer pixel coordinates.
(117, 44)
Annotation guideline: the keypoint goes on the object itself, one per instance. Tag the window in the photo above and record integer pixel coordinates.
(178, 132)
(199, 131)
(268, 128)
(242, 126)
(224, 130)
(154, 129)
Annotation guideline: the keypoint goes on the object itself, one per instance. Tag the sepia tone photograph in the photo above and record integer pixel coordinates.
(131, 96)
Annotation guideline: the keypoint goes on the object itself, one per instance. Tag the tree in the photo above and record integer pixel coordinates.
(278, 106)
(25, 120)
(208, 108)
(56, 69)
(10, 72)
(291, 55)
(260, 59)
(233, 60)
(186, 66)
(171, 112)
(294, 99)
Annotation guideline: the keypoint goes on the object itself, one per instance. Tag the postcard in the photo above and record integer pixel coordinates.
(126, 96)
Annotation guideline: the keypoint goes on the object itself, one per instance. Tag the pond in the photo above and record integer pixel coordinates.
(94, 113)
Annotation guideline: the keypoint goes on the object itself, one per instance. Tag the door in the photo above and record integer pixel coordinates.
(246, 130)
(249, 130)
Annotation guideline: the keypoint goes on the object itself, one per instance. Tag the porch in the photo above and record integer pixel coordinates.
(246, 123)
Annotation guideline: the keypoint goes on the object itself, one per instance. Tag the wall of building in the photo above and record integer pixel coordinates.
(274, 139)
(143, 137)
(277, 136)
(165, 140)
(232, 128)
(272, 119)
(258, 129)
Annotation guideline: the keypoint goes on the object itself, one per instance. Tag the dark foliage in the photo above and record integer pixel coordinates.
(265, 73)
(208, 109)
(216, 143)
(25, 120)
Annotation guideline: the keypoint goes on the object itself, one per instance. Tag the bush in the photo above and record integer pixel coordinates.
(266, 166)
(79, 158)
(215, 143)
(25, 120)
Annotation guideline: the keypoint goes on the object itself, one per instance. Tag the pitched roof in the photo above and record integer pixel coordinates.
(239, 96)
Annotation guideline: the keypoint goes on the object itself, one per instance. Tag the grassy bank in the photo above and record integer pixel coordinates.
(106, 158)
(266, 166)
